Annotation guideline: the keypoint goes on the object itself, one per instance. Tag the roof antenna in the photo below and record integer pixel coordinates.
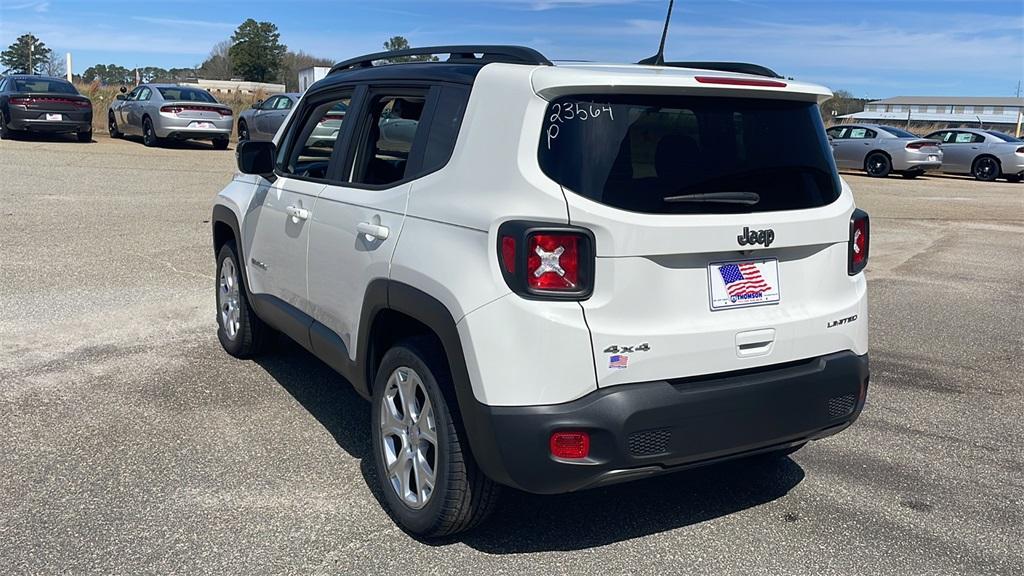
(659, 58)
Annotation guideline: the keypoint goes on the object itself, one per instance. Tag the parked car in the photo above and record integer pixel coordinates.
(264, 118)
(43, 104)
(553, 277)
(880, 150)
(985, 154)
(158, 112)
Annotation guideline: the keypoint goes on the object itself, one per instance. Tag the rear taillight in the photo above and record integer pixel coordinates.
(172, 109)
(21, 101)
(225, 112)
(919, 145)
(860, 241)
(1020, 150)
(546, 262)
(180, 109)
(570, 445)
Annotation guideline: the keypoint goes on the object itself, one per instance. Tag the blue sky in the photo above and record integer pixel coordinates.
(874, 48)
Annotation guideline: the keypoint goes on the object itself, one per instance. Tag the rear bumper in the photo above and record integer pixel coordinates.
(181, 128)
(917, 161)
(639, 430)
(35, 121)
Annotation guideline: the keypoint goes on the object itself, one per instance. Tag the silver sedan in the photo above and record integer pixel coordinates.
(984, 154)
(264, 118)
(158, 112)
(880, 150)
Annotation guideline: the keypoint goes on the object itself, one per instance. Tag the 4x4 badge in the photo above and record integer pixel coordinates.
(749, 236)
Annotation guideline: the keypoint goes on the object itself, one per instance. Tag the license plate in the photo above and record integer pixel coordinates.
(54, 117)
(743, 283)
(205, 125)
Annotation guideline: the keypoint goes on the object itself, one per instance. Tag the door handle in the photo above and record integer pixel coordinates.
(297, 213)
(373, 230)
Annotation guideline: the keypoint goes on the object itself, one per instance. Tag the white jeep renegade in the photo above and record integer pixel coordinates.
(553, 277)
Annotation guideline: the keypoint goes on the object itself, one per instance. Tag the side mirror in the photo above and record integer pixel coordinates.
(256, 157)
(256, 105)
(121, 97)
(123, 89)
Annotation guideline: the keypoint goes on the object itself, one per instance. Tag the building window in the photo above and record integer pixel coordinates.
(897, 108)
(915, 108)
(968, 109)
(933, 109)
(989, 110)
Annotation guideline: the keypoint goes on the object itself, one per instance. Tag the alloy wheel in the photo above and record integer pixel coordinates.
(877, 165)
(228, 300)
(409, 438)
(986, 169)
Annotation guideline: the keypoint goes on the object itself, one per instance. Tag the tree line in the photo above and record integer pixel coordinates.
(253, 53)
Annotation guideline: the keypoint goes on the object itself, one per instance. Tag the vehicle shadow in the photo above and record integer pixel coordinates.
(530, 523)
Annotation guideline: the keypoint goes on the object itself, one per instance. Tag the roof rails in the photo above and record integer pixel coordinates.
(737, 67)
(456, 54)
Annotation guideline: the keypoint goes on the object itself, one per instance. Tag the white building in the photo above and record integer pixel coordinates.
(994, 112)
(237, 86)
(307, 76)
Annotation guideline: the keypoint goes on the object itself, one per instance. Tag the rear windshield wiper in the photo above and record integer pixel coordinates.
(718, 197)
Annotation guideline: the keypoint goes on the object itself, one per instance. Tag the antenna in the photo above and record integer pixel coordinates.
(659, 58)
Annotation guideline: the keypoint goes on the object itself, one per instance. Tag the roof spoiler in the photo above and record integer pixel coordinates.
(737, 67)
(456, 54)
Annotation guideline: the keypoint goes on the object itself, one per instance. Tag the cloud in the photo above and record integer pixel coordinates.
(178, 22)
(38, 6)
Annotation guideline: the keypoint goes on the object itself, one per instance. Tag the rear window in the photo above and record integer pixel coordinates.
(899, 133)
(1004, 136)
(689, 154)
(43, 86)
(186, 95)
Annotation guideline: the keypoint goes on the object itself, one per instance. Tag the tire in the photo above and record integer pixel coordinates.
(84, 137)
(5, 132)
(220, 144)
(241, 333)
(149, 137)
(461, 496)
(243, 131)
(986, 169)
(877, 165)
(112, 128)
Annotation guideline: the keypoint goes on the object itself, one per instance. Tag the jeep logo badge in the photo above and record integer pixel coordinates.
(765, 237)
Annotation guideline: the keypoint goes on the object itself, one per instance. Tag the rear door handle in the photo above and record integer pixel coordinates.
(297, 213)
(373, 230)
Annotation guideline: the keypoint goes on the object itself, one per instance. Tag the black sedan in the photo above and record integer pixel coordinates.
(43, 104)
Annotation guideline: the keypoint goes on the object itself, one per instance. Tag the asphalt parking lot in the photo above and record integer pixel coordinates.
(130, 443)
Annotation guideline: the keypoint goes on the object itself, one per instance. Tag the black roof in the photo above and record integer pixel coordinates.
(33, 77)
(425, 71)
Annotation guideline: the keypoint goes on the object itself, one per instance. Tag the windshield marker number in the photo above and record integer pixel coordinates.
(562, 113)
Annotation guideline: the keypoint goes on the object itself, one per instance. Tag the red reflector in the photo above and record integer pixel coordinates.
(553, 261)
(739, 81)
(508, 254)
(570, 445)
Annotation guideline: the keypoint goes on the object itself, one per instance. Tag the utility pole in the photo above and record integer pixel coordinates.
(1018, 88)
(67, 67)
(31, 45)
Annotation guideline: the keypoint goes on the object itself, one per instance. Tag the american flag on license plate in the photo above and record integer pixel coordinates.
(743, 280)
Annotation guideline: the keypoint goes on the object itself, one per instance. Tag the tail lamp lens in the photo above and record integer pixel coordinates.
(172, 109)
(570, 445)
(1020, 150)
(553, 261)
(541, 261)
(21, 101)
(919, 145)
(859, 242)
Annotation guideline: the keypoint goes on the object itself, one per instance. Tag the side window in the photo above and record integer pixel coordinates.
(310, 150)
(145, 94)
(134, 94)
(940, 136)
(871, 134)
(835, 132)
(858, 133)
(270, 103)
(964, 137)
(977, 139)
(383, 148)
(445, 126)
(283, 103)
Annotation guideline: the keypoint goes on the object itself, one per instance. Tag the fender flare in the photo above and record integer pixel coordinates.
(474, 423)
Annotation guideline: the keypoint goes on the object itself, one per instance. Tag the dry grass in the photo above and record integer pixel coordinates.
(102, 96)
